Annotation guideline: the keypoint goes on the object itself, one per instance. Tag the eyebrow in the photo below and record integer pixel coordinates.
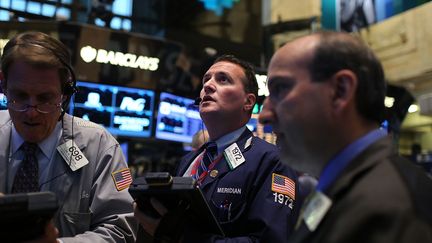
(218, 73)
(279, 79)
(46, 94)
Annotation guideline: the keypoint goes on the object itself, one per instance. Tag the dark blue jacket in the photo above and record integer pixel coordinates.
(378, 198)
(257, 213)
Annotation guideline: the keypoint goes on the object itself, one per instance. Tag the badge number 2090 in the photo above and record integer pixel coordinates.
(75, 153)
(283, 199)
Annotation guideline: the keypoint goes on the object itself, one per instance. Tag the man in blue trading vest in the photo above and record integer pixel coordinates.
(253, 195)
(44, 149)
(326, 104)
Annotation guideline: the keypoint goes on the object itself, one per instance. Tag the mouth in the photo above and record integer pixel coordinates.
(207, 98)
(31, 124)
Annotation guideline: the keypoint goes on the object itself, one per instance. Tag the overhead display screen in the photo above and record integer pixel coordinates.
(178, 118)
(123, 111)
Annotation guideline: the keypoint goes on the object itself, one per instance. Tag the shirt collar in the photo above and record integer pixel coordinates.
(228, 139)
(335, 166)
(46, 146)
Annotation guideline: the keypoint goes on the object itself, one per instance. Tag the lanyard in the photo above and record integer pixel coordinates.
(211, 166)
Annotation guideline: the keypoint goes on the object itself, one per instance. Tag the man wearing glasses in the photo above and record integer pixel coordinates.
(44, 149)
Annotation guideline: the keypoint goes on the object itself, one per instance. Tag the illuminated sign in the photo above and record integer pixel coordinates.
(89, 54)
(129, 104)
(128, 123)
(108, 56)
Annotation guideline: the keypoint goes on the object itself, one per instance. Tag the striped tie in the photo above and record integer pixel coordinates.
(209, 153)
(27, 176)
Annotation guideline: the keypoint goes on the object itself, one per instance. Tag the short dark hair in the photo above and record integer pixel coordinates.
(42, 51)
(336, 51)
(250, 83)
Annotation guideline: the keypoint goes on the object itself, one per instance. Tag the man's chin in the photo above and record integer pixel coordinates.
(32, 138)
(208, 113)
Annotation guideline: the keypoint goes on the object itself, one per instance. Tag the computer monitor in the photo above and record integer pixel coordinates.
(178, 118)
(123, 111)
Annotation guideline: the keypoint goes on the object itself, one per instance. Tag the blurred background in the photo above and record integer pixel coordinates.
(139, 62)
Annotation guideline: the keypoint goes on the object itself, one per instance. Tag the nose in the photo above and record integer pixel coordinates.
(267, 114)
(208, 86)
(31, 110)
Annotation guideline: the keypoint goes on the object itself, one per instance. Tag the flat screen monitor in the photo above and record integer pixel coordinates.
(178, 119)
(123, 111)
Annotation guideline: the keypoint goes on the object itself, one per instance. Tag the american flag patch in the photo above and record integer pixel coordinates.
(122, 178)
(284, 185)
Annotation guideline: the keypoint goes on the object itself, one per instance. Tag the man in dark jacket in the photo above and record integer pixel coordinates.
(326, 103)
(253, 195)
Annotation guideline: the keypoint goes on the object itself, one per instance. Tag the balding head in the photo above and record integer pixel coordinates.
(300, 50)
(325, 53)
(326, 90)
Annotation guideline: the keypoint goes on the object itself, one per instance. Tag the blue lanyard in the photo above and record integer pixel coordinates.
(337, 165)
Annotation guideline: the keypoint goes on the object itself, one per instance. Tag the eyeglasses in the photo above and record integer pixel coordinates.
(43, 108)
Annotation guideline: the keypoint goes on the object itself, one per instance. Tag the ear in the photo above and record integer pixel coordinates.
(344, 84)
(249, 101)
